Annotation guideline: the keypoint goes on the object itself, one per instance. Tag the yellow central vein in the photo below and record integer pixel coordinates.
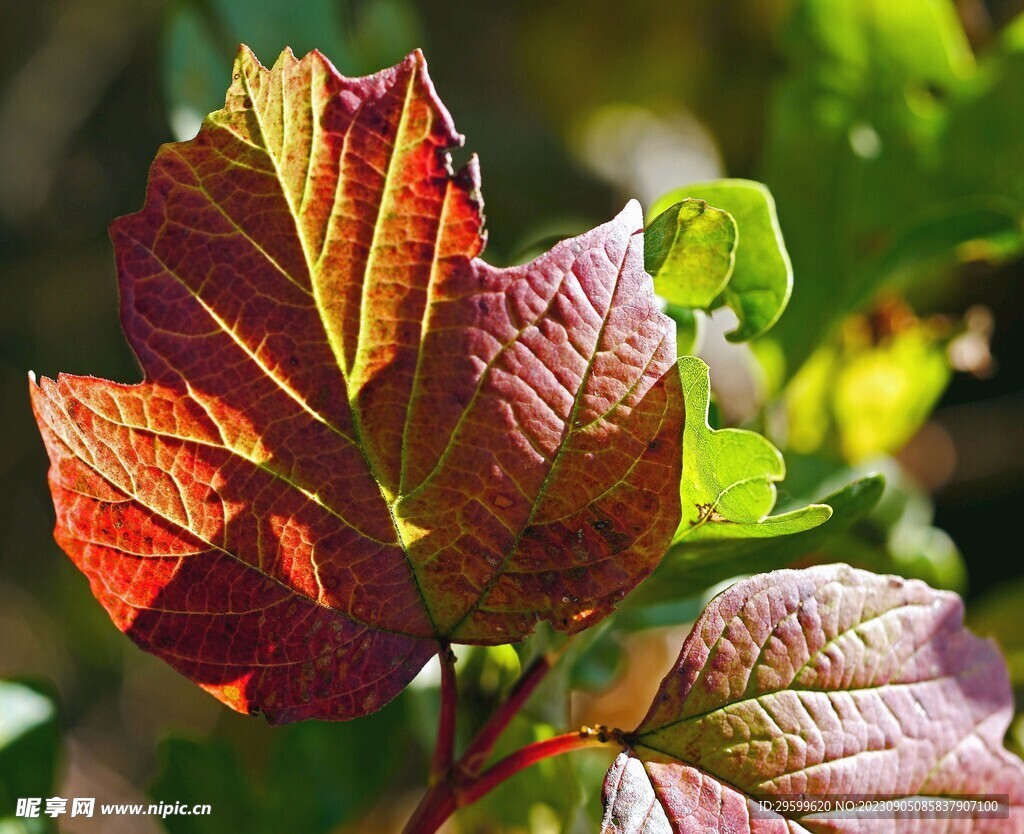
(333, 338)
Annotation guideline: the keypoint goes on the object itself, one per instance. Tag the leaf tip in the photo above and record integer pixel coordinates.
(871, 485)
(245, 59)
(39, 386)
(824, 511)
(416, 63)
(633, 213)
(287, 57)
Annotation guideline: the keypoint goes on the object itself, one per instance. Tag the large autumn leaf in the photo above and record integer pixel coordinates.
(820, 684)
(355, 439)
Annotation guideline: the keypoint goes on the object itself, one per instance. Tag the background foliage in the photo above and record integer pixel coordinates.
(890, 136)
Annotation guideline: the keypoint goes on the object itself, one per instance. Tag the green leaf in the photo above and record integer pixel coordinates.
(729, 476)
(762, 278)
(687, 569)
(690, 249)
(728, 490)
(29, 745)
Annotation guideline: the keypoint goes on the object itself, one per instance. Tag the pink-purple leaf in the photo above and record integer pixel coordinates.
(823, 685)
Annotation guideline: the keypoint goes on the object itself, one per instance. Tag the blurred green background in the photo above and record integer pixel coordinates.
(892, 137)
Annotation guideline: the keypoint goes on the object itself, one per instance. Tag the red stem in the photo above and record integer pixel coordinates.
(473, 760)
(446, 797)
(444, 750)
(523, 758)
(433, 811)
(453, 786)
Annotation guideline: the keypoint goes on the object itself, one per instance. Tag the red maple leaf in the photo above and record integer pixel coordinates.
(355, 440)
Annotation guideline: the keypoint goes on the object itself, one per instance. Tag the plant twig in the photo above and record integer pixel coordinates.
(529, 755)
(459, 790)
(473, 760)
(444, 750)
(432, 812)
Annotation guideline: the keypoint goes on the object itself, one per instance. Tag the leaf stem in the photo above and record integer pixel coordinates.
(473, 760)
(444, 750)
(453, 786)
(526, 756)
(461, 789)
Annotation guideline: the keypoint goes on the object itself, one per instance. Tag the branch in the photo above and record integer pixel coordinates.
(444, 750)
(529, 755)
(473, 760)
(447, 796)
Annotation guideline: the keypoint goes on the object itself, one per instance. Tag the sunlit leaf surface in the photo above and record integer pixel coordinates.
(355, 438)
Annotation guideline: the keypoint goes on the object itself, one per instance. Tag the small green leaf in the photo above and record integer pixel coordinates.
(728, 491)
(686, 569)
(762, 278)
(729, 476)
(690, 249)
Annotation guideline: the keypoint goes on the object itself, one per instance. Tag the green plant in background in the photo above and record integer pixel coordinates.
(866, 122)
(888, 154)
